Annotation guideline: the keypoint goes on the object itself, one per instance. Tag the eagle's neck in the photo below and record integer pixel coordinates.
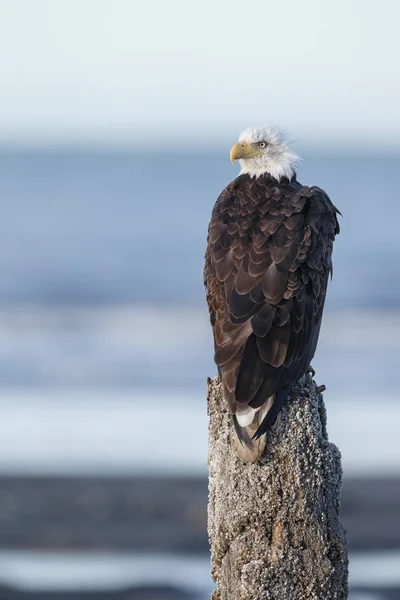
(279, 163)
(265, 179)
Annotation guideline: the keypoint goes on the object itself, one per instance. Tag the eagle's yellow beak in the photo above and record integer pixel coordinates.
(242, 150)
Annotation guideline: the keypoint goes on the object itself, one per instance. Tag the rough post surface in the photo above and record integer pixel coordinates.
(274, 525)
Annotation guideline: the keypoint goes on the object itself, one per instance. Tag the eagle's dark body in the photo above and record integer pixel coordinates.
(268, 259)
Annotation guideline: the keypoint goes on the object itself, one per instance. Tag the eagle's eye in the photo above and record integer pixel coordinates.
(262, 144)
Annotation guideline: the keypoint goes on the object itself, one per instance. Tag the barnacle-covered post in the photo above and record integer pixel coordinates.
(274, 525)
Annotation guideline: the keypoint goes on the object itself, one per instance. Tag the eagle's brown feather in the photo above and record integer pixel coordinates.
(268, 258)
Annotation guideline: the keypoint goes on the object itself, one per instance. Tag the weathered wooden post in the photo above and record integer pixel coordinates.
(274, 525)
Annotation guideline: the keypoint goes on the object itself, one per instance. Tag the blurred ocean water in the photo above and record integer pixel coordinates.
(90, 229)
(102, 258)
(105, 342)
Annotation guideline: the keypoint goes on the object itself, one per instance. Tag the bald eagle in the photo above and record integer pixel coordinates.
(268, 258)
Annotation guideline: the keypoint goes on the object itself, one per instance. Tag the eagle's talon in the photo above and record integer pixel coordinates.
(320, 388)
(311, 371)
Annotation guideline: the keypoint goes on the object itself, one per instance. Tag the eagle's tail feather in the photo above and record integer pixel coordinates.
(250, 438)
(246, 424)
(271, 415)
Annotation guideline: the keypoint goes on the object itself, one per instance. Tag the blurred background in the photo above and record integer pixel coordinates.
(116, 120)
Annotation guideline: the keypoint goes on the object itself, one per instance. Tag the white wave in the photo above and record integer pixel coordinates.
(147, 432)
(134, 344)
(81, 571)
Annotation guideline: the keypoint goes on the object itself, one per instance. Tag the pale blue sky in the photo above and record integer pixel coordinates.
(124, 71)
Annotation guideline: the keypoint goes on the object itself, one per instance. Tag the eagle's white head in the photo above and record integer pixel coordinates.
(262, 151)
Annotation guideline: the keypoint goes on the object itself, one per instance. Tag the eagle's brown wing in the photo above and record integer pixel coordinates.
(268, 260)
